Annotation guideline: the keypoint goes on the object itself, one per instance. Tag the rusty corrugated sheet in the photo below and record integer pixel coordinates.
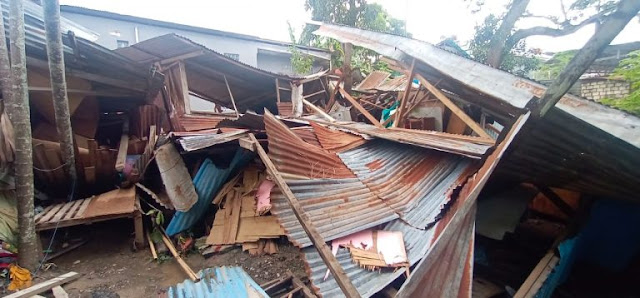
(469, 146)
(306, 134)
(419, 244)
(197, 122)
(372, 81)
(335, 140)
(392, 180)
(294, 156)
(414, 182)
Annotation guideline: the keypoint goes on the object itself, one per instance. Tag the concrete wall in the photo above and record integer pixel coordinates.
(247, 50)
(600, 89)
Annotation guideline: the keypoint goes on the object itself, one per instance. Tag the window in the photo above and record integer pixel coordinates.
(122, 43)
(233, 56)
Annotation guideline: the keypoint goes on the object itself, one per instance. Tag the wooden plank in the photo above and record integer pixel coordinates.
(277, 90)
(233, 101)
(313, 94)
(182, 57)
(184, 87)
(360, 108)
(318, 241)
(405, 97)
(179, 259)
(73, 210)
(527, 287)
(319, 111)
(456, 125)
(453, 107)
(234, 219)
(39, 215)
(59, 292)
(63, 211)
(123, 147)
(45, 218)
(45, 286)
(83, 207)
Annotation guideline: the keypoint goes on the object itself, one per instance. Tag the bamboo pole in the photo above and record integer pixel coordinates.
(19, 113)
(59, 85)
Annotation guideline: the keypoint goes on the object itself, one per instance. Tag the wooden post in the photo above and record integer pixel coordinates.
(360, 108)
(346, 67)
(403, 102)
(453, 107)
(319, 111)
(605, 33)
(19, 113)
(325, 253)
(233, 101)
(59, 86)
(277, 90)
(5, 66)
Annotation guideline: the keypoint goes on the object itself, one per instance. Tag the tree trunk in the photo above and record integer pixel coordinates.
(499, 39)
(625, 11)
(346, 66)
(18, 108)
(59, 85)
(5, 66)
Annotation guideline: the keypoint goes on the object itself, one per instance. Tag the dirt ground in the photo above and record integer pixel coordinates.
(110, 268)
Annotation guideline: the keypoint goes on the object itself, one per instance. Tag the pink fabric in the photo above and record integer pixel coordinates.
(263, 196)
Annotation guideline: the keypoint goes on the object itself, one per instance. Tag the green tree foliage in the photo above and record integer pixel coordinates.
(629, 70)
(518, 60)
(300, 62)
(555, 65)
(354, 13)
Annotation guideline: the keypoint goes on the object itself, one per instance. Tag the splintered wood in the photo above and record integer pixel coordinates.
(373, 250)
(238, 221)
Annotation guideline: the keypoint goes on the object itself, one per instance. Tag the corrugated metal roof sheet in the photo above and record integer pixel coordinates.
(391, 180)
(372, 81)
(207, 182)
(414, 182)
(197, 142)
(218, 282)
(294, 156)
(420, 243)
(458, 144)
(334, 140)
(476, 77)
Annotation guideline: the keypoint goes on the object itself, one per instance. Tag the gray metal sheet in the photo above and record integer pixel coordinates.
(498, 84)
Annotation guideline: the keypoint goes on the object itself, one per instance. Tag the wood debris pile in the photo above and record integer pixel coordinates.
(238, 219)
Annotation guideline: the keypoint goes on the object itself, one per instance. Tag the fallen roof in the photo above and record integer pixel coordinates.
(207, 70)
(152, 22)
(580, 144)
(478, 80)
(362, 187)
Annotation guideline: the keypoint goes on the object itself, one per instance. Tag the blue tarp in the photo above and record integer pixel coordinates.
(610, 239)
(207, 182)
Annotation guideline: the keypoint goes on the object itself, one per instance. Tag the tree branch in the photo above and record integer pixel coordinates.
(547, 31)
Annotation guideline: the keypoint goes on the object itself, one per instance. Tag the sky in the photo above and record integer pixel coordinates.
(427, 20)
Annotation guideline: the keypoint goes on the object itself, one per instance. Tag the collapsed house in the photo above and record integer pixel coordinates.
(388, 176)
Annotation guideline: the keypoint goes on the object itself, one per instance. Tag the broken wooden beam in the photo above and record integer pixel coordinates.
(45, 286)
(360, 108)
(319, 111)
(453, 107)
(179, 259)
(405, 97)
(121, 160)
(318, 241)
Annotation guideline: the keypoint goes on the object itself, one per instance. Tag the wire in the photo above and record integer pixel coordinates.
(51, 170)
(55, 231)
